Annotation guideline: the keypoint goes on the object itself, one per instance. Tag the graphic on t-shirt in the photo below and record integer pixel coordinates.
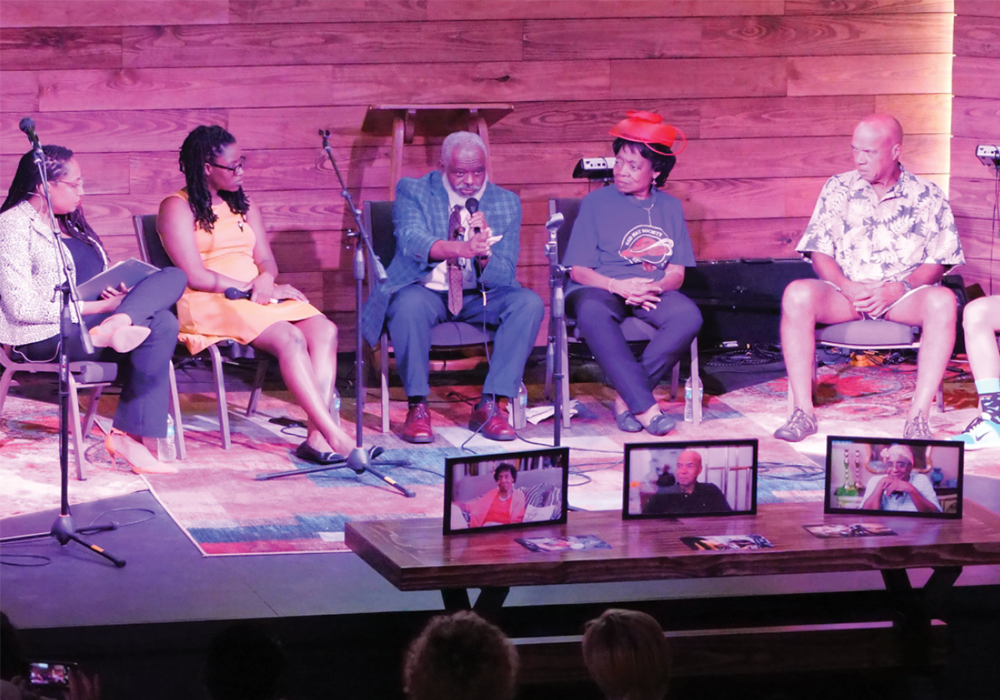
(649, 245)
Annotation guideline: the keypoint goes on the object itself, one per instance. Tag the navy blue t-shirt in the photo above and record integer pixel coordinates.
(620, 236)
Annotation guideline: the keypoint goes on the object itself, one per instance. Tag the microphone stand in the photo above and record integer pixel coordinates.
(63, 529)
(557, 312)
(360, 459)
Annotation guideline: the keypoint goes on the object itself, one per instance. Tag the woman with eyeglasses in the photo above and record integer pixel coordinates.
(131, 326)
(215, 233)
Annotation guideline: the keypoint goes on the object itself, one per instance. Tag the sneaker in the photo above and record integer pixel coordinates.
(799, 426)
(917, 429)
(980, 434)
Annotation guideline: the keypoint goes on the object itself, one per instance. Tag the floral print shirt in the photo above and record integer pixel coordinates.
(882, 240)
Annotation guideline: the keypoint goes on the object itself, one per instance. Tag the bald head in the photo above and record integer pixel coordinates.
(688, 468)
(877, 143)
(886, 125)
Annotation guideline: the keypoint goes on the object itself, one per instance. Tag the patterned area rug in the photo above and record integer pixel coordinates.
(224, 510)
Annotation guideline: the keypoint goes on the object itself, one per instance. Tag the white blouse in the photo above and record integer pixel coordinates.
(29, 273)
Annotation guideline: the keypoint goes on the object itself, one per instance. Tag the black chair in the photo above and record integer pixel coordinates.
(634, 329)
(451, 334)
(226, 352)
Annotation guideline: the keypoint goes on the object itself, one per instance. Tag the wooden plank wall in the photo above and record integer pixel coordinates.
(767, 91)
(975, 121)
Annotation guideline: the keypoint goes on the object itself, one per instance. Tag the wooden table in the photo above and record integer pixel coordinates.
(413, 555)
(793, 632)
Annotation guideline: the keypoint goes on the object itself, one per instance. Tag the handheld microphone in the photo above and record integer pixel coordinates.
(472, 204)
(27, 125)
(233, 294)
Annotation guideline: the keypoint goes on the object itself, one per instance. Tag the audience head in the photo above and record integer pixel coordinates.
(877, 143)
(212, 161)
(463, 162)
(13, 660)
(460, 657)
(244, 663)
(627, 655)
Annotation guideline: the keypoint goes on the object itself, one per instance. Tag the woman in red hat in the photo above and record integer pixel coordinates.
(628, 250)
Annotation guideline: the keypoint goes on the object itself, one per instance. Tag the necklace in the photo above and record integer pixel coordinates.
(652, 203)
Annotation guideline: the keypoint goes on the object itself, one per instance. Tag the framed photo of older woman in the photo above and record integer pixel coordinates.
(921, 478)
(506, 490)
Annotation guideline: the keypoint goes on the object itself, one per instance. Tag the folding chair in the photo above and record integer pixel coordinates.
(83, 375)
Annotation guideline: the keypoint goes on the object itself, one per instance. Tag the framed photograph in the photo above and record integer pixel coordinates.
(684, 479)
(507, 490)
(921, 478)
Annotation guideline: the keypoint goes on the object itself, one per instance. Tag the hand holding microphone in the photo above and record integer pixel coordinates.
(479, 243)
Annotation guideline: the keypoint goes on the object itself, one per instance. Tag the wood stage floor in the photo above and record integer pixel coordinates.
(149, 622)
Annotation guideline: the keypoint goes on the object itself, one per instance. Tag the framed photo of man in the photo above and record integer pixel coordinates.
(507, 490)
(684, 479)
(921, 478)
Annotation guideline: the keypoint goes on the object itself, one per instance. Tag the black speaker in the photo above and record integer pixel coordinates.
(740, 300)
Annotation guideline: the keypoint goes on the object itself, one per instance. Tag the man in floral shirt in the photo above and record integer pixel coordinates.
(880, 240)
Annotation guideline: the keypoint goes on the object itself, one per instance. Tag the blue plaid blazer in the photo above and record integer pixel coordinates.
(420, 217)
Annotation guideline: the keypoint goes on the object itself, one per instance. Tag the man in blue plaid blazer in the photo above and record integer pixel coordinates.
(426, 215)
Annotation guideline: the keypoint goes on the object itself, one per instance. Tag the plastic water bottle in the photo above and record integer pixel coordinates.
(519, 417)
(166, 447)
(689, 399)
(335, 406)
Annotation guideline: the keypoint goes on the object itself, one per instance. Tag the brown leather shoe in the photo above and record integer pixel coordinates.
(494, 427)
(417, 428)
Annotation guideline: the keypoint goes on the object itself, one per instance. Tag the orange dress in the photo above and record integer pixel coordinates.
(208, 317)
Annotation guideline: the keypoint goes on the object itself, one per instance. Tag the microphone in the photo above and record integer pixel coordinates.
(233, 294)
(27, 125)
(472, 204)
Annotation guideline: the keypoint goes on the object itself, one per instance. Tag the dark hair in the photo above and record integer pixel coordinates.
(25, 184)
(202, 146)
(13, 659)
(505, 467)
(460, 657)
(244, 663)
(662, 165)
(627, 655)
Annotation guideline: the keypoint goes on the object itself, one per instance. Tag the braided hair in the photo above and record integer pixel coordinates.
(203, 145)
(25, 186)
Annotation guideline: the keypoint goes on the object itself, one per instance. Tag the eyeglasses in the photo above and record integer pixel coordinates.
(231, 168)
(78, 185)
(901, 464)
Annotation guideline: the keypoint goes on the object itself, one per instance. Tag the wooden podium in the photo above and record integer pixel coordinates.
(403, 122)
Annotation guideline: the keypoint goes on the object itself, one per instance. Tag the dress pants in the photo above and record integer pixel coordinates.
(599, 315)
(514, 312)
(144, 372)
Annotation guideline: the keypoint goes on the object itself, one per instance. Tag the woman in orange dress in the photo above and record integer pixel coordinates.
(215, 234)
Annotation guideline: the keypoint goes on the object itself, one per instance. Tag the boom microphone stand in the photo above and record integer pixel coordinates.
(360, 460)
(63, 529)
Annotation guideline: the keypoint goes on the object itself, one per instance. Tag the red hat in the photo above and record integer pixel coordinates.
(648, 128)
